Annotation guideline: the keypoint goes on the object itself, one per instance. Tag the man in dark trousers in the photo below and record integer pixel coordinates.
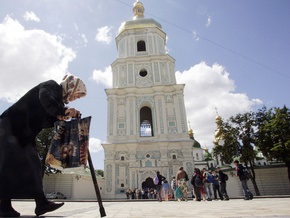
(223, 183)
(241, 173)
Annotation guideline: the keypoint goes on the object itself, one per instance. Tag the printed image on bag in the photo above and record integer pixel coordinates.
(69, 146)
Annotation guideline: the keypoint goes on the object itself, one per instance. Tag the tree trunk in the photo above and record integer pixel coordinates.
(253, 179)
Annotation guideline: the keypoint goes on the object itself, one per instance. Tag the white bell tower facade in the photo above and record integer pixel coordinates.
(147, 126)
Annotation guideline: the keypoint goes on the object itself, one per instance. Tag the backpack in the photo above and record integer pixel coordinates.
(226, 177)
(156, 180)
(210, 178)
(246, 173)
(198, 181)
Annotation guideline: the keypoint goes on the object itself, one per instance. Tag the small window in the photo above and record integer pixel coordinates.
(171, 123)
(143, 73)
(148, 155)
(122, 185)
(121, 125)
(174, 157)
(122, 158)
(141, 46)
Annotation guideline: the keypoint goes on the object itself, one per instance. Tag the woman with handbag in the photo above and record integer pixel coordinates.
(20, 168)
(182, 178)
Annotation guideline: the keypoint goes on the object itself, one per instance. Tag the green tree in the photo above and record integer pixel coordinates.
(239, 136)
(43, 140)
(100, 173)
(273, 135)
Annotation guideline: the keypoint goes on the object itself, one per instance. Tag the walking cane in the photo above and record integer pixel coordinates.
(97, 190)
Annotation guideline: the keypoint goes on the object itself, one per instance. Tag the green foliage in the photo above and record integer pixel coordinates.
(273, 135)
(43, 140)
(238, 133)
(100, 173)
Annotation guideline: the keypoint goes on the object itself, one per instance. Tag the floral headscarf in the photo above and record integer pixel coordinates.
(72, 85)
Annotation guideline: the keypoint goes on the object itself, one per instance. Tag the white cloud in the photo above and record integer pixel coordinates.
(209, 20)
(29, 57)
(31, 16)
(103, 77)
(95, 145)
(195, 36)
(85, 40)
(104, 35)
(207, 88)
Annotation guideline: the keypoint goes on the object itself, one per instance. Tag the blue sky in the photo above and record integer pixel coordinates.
(232, 55)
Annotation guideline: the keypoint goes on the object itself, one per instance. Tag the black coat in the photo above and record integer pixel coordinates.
(20, 169)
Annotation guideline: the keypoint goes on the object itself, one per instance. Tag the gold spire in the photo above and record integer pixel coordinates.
(138, 10)
(218, 135)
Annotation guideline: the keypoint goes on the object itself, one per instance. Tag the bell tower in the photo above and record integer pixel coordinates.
(147, 125)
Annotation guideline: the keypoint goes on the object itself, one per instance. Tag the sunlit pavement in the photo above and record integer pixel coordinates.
(258, 207)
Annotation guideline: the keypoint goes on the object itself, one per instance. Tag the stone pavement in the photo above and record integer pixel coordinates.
(258, 207)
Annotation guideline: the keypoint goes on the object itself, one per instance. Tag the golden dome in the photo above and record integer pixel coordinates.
(139, 22)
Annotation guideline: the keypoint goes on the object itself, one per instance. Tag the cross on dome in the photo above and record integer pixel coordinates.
(138, 10)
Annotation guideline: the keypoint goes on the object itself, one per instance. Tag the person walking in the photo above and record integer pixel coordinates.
(182, 178)
(241, 173)
(223, 183)
(216, 186)
(20, 167)
(207, 181)
(173, 187)
(165, 189)
(158, 182)
(197, 183)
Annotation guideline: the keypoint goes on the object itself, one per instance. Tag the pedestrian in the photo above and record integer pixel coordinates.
(173, 187)
(165, 189)
(216, 186)
(158, 184)
(223, 183)
(207, 183)
(241, 172)
(182, 178)
(20, 167)
(197, 183)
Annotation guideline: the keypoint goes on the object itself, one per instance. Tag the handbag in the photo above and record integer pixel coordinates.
(68, 151)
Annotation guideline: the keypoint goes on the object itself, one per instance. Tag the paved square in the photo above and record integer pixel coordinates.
(259, 207)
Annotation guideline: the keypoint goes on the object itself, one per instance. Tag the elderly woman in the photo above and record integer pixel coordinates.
(20, 168)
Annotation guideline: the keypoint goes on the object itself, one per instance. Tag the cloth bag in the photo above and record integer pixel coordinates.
(68, 150)
(178, 193)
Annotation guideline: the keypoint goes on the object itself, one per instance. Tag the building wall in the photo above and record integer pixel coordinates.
(72, 186)
(270, 181)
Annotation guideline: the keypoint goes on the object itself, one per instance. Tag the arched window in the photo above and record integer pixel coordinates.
(141, 46)
(174, 157)
(146, 126)
(122, 185)
(122, 158)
